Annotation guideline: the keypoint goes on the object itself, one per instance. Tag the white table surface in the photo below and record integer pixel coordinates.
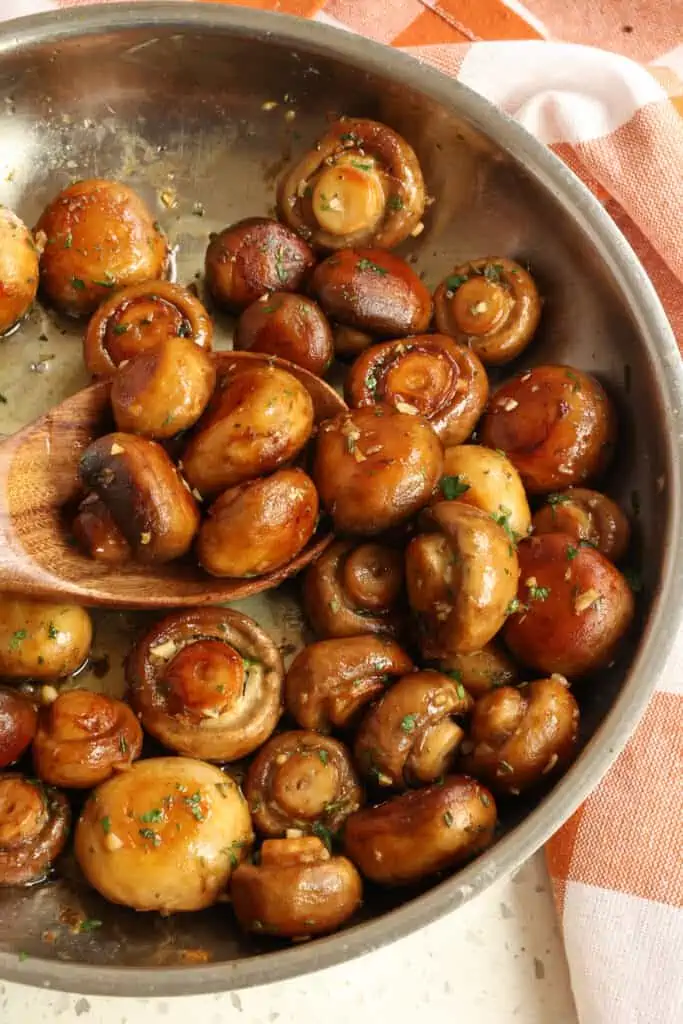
(499, 959)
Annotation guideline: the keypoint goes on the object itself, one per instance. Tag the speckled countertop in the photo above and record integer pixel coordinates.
(498, 959)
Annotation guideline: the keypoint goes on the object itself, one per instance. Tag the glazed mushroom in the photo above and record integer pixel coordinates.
(555, 424)
(375, 468)
(409, 737)
(164, 390)
(18, 270)
(140, 317)
(572, 609)
(487, 480)
(355, 588)
(587, 516)
(164, 836)
(302, 781)
(288, 326)
(481, 671)
(330, 681)
(462, 575)
(420, 832)
(374, 292)
(429, 374)
(40, 640)
(258, 526)
(207, 683)
(490, 304)
(34, 826)
(18, 722)
(98, 235)
(361, 184)
(83, 738)
(95, 531)
(296, 890)
(260, 418)
(254, 257)
(518, 737)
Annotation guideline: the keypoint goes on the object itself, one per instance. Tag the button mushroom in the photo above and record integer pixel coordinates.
(481, 671)
(289, 326)
(40, 640)
(34, 826)
(361, 184)
(556, 425)
(164, 836)
(587, 516)
(207, 683)
(330, 681)
(487, 480)
(95, 531)
(18, 721)
(18, 270)
(296, 890)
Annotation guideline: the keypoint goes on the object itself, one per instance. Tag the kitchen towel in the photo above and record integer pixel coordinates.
(615, 115)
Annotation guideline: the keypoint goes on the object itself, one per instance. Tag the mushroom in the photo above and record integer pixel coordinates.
(375, 468)
(34, 826)
(420, 832)
(95, 531)
(430, 374)
(556, 425)
(409, 736)
(40, 640)
(520, 736)
(462, 575)
(140, 317)
(490, 304)
(163, 390)
(83, 738)
(371, 291)
(257, 526)
(207, 683)
(355, 588)
(302, 781)
(587, 516)
(99, 235)
(253, 257)
(296, 890)
(288, 326)
(164, 836)
(144, 493)
(330, 681)
(487, 480)
(260, 418)
(572, 609)
(18, 270)
(18, 721)
(361, 184)
(481, 671)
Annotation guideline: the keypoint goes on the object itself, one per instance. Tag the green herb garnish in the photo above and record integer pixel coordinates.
(452, 487)
(408, 723)
(364, 264)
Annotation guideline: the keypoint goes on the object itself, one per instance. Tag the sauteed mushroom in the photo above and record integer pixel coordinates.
(18, 270)
(289, 326)
(34, 826)
(481, 671)
(40, 640)
(487, 480)
(96, 532)
(587, 516)
(18, 721)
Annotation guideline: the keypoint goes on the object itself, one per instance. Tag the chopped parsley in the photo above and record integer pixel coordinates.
(395, 203)
(460, 690)
(106, 825)
(452, 487)
(324, 756)
(334, 605)
(17, 638)
(576, 383)
(121, 328)
(77, 283)
(538, 593)
(68, 241)
(52, 631)
(455, 280)
(323, 834)
(572, 552)
(502, 517)
(371, 381)
(155, 815)
(364, 264)
(149, 833)
(280, 268)
(193, 803)
(362, 166)
(515, 607)
(494, 272)
(408, 723)
(90, 924)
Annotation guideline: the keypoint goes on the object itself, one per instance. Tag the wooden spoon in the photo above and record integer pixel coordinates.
(39, 476)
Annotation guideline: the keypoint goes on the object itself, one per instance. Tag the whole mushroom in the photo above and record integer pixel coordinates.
(588, 516)
(486, 479)
(18, 270)
(40, 640)
(18, 722)
(290, 326)
(34, 827)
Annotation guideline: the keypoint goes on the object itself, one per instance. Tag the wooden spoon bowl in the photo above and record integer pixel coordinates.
(39, 478)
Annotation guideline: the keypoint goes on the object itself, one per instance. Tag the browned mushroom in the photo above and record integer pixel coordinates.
(481, 671)
(555, 424)
(487, 480)
(353, 589)
(587, 516)
(361, 184)
(18, 270)
(144, 493)
(34, 826)
(207, 683)
(330, 681)
(409, 736)
(83, 738)
(302, 781)
(296, 890)
(520, 736)
(40, 640)
(98, 235)
(572, 609)
(289, 326)
(95, 531)
(260, 417)
(18, 721)
(490, 304)
(140, 317)
(462, 575)
(253, 257)
(375, 468)
(428, 374)
(257, 526)
(422, 831)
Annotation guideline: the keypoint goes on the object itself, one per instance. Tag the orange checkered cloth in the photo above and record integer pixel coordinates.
(614, 115)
